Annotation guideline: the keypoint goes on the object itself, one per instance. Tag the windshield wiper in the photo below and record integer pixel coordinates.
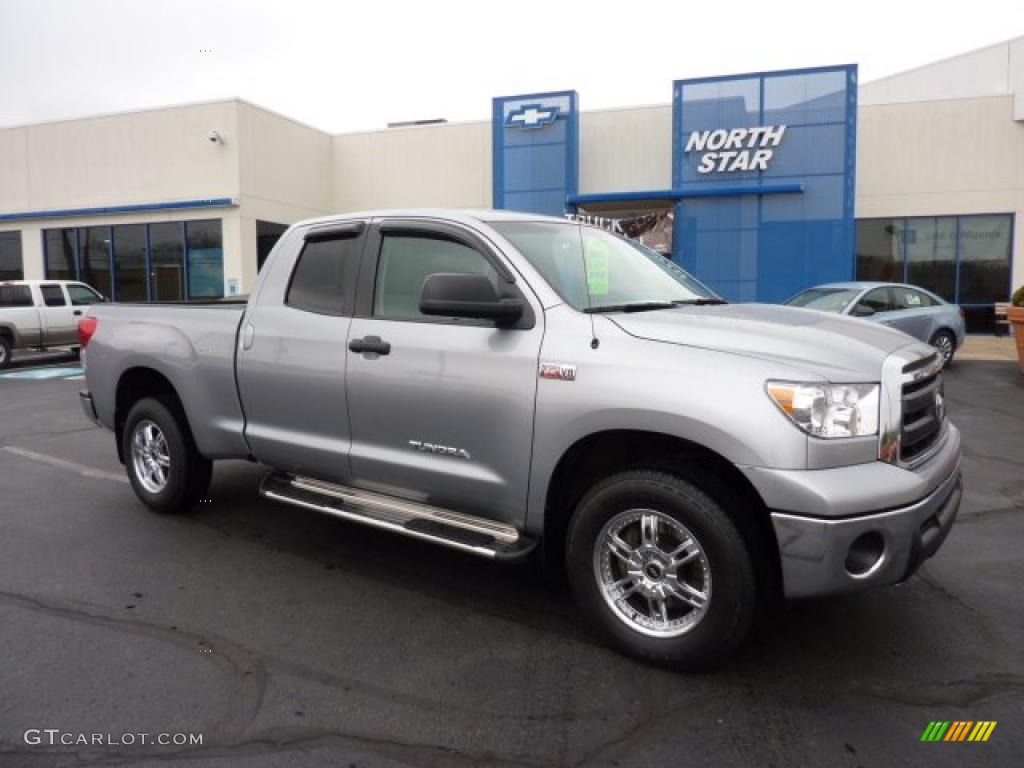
(636, 306)
(699, 302)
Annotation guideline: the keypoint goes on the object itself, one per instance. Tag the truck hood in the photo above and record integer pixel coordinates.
(833, 347)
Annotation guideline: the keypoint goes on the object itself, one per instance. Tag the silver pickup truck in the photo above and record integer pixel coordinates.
(492, 381)
(41, 314)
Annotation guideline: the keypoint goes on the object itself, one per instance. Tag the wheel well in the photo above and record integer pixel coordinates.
(606, 453)
(135, 384)
(6, 333)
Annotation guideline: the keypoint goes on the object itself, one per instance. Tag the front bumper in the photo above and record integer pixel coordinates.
(824, 556)
(819, 514)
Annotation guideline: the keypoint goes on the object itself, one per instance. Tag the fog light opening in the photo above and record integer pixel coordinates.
(865, 554)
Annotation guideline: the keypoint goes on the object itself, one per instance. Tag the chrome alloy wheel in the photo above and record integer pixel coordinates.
(652, 573)
(151, 459)
(944, 344)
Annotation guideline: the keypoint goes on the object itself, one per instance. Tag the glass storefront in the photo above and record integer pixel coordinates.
(10, 256)
(964, 259)
(165, 261)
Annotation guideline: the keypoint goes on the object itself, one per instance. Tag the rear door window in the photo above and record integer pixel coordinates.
(15, 296)
(324, 275)
(908, 298)
(53, 295)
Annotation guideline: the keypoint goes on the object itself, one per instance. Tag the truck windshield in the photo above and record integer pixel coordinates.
(594, 270)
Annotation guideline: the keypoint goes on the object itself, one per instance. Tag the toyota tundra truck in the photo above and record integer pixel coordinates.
(503, 383)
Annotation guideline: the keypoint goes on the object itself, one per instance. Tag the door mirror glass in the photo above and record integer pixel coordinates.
(862, 310)
(469, 296)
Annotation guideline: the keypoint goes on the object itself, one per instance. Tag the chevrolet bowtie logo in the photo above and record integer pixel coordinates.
(532, 116)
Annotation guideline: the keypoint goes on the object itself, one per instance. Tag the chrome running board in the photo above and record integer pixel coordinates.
(466, 533)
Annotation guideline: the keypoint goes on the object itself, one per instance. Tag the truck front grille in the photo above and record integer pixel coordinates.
(923, 409)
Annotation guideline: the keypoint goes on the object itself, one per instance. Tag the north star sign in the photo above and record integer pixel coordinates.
(739, 149)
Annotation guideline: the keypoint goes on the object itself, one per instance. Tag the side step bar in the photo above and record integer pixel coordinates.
(467, 533)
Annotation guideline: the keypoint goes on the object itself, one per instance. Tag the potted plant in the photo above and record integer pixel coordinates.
(1015, 314)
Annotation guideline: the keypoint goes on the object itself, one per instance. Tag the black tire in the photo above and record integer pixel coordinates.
(732, 589)
(942, 341)
(187, 474)
(5, 351)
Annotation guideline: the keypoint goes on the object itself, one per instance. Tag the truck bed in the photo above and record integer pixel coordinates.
(196, 345)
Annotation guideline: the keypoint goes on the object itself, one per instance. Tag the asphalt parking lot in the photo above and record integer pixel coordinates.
(291, 638)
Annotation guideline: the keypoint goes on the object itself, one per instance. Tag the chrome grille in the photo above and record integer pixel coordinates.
(922, 405)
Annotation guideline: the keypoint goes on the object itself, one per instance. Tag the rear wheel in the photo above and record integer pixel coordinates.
(5, 352)
(945, 344)
(660, 569)
(165, 469)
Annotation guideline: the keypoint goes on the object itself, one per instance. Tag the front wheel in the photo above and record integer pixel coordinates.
(166, 471)
(945, 344)
(661, 570)
(5, 352)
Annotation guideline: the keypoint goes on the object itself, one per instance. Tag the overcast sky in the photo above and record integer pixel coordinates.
(345, 66)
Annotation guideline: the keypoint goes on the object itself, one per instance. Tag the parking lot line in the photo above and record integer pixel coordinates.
(81, 469)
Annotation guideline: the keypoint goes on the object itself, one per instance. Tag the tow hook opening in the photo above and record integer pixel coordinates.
(865, 554)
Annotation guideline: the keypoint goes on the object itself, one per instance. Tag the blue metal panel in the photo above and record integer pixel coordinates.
(755, 241)
(213, 202)
(723, 190)
(535, 144)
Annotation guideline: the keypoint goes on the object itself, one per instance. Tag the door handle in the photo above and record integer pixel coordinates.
(77, 312)
(370, 344)
(248, 333)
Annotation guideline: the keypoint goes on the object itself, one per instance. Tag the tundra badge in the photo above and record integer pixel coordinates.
(441, 450)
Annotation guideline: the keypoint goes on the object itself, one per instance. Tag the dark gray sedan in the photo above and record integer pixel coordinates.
(909, 308)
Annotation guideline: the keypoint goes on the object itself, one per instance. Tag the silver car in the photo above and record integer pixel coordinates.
(908, 308)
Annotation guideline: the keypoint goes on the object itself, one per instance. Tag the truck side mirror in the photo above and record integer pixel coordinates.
(470, 296)
(862, 310)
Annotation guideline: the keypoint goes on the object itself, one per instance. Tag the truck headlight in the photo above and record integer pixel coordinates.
(828, 410)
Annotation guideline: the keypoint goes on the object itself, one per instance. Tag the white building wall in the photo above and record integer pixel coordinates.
(990, 71)
(153, 156)
(447, 166)
(625, 150)
(929, 158)
(285, 171)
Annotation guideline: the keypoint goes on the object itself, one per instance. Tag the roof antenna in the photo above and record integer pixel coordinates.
(594, 341)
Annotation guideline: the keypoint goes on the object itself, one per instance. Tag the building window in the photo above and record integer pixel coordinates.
(931, 255)
(94, 253)
(166, 261)
(61, 254)
(267, 235)
(205, 259)
(130, 263)
(964, 259)
(880, 250)
(10, 256)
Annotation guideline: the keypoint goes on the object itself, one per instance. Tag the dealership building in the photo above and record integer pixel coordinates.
(761, 184)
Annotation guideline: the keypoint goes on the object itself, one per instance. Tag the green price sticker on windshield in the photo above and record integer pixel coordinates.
(597, 271)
